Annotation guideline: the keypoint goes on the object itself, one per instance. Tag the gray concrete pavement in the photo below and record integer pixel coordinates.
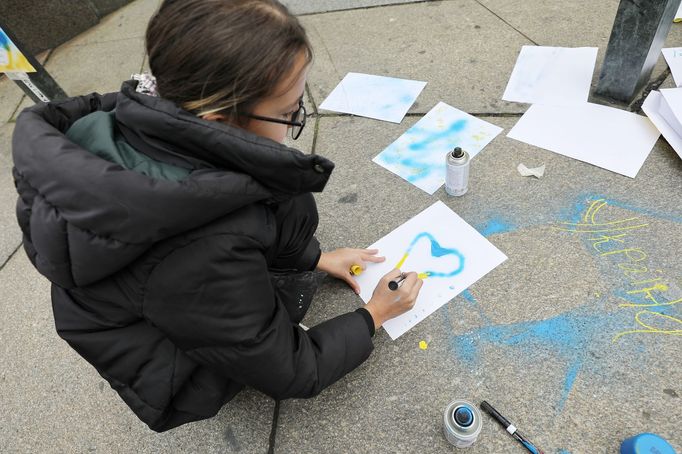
(54, 402)
(464, 46)
(320, 6)
(498, 343)
(10, 235)
(10, 97)
(560, 338)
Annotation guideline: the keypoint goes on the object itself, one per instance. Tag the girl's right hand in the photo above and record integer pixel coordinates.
(386, 304)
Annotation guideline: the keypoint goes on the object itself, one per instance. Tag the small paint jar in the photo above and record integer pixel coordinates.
(462, 423)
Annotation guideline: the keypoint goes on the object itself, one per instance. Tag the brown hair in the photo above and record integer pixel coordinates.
(222, 55)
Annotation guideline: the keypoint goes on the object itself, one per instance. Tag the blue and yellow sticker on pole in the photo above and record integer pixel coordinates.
(11, 58)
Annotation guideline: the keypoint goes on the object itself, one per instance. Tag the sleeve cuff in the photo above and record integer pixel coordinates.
(310, 257)
(317, 259)
(368, 320)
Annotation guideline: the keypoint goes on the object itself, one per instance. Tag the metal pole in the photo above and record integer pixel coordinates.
(638, 34)
(39, 86)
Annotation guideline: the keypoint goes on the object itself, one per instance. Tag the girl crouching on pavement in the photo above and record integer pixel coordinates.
(178, 231)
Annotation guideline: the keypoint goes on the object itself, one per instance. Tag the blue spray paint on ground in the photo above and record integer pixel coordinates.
(575, 336)
(466, 294)
(628, 298)
(569, 209)
(610, 267)
(495, 226)
(471, 299)
(644, 211)
(568, 336)
(574, 211)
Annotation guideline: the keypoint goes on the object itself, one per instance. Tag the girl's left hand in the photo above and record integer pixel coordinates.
(339, 262)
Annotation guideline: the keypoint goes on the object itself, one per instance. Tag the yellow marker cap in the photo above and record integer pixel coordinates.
(356, 270)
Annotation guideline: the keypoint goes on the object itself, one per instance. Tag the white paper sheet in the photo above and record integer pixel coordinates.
(443, 244)
(418, 156)
(673, 57)
(603, 136)
(378, 97)
(671, 108)
(552, 75)
(652, 108)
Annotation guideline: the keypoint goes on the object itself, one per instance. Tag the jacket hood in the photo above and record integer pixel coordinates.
(84, 217)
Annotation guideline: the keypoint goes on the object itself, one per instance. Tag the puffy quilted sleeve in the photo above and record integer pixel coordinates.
(213, 298)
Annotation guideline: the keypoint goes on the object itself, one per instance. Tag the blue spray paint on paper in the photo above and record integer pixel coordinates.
(418, 156)
(379, 97)
(438, 251)
(426, 142)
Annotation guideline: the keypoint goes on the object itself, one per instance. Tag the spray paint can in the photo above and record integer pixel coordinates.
(457, 172)
(462, 423)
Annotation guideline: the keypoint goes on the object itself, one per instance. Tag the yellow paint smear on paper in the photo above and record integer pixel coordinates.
(402, 262)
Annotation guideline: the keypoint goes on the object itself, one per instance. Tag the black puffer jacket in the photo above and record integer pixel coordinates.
(166, 286)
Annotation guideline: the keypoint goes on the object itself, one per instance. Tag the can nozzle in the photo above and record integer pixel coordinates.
(457, 152)
(463, 416)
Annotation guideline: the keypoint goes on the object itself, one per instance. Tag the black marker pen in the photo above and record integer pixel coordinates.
(509, 427)
(397, 282)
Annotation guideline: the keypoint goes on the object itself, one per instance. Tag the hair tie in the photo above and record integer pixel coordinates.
(146, 84)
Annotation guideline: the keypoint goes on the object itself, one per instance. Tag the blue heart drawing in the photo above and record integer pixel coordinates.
(436, 251)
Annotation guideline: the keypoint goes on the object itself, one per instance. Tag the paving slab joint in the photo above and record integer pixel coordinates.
(421, 114)
(273, 431)
(9, 257)
(311, 97)
(313, 147)
(363, 8)
(15, 112)
(510, 25)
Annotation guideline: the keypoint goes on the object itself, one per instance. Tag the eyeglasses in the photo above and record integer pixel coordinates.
(296, 125)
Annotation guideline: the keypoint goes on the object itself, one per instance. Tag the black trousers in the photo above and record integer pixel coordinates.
(295, 255)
